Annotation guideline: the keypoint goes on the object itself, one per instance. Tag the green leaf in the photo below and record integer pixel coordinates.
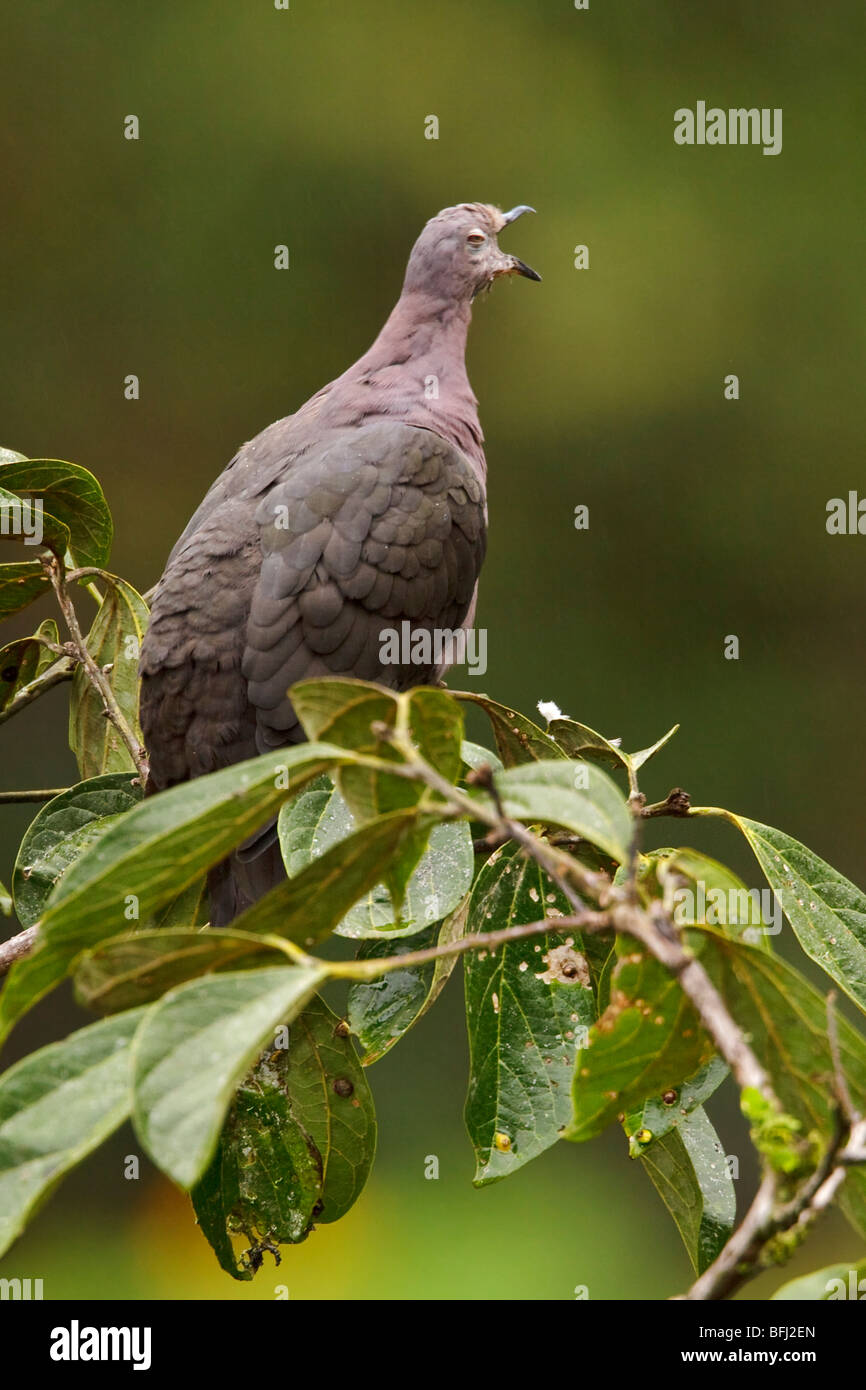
(153, 853)
(16, 523)
(72, 495)
(439, 883)
(704, 892)
(473, 756)
(188, 911)
(638, 759)
(517, 738)
(842, 1281)
(319, 898)
(313, 823)
(60, 833)
(648, 1041)
(826, 910)
(345, 712)
(342, 711)
(331, 1099)
(690, 1174)
(578, 741)
(527, 1004)
(10, 456)
(192, 1050)
(138, 967)
(22, 662)
(575, 795)
(661, 1113)
(785, 1020)
(114, 642)
(265, 1179)
(21, 584)
(56, 1106)
(297, 1146)
(5, 901)
(381, 1011)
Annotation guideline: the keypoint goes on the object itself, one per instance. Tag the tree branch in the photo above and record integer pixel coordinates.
(476, 941)
(97, 679)
(655, 931)
(15, 948)
(37, 794)
(770, 1214)
(62, 670)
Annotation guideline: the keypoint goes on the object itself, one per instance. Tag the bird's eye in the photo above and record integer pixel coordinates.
(476, 237)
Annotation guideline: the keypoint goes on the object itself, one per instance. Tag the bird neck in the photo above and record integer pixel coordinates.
(423, 327)
(415, 371)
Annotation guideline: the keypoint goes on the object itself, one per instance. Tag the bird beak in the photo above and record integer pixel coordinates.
(515, 266)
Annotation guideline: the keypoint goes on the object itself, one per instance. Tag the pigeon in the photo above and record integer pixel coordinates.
(363, 511)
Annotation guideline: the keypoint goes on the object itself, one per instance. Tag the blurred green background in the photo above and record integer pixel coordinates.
(601, 386)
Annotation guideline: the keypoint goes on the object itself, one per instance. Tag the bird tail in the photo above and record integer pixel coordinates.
(235, 884)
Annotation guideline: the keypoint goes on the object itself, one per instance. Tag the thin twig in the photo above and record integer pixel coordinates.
(62, 670)
(676, 803)
(15, 948)
(656, 933)
(770, 1214)
(95, 675)
(567, 871)
(587, 921)
(37, 794)
(741, 1257)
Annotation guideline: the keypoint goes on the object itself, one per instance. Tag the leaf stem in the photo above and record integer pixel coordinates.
(587, 920)
(37, 794)
(62, 670)
(96, 677)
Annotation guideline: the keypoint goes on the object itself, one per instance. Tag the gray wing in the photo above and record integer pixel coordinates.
(381, 524)
(297, 577)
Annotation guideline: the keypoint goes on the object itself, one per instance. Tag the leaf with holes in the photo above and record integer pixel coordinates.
(517, 738)
(194, 1048)
(527, 1005)
(647, 1041)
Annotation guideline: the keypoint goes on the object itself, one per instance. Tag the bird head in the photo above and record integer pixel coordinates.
(458, 252)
